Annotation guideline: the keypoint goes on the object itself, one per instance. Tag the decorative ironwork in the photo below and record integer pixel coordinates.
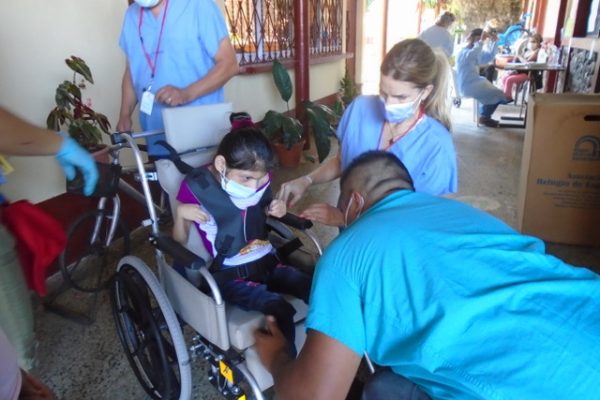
(263, 30)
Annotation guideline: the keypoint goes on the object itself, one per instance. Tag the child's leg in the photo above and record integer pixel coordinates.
(289, 280)
(512, 80)
(255, 296)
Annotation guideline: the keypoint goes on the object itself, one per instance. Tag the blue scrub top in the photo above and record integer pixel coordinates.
(192, 34)
(468, 80)
(458, 302)
(427, 151)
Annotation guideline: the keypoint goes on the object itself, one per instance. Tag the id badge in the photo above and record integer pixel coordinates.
(147, 102)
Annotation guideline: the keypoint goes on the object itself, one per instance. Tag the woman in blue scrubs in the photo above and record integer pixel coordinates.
(410, 118)
(471, 84)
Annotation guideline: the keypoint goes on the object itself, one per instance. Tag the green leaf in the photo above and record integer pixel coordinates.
(291, 131)
(282, 81)
(322, 130)
(79, 66)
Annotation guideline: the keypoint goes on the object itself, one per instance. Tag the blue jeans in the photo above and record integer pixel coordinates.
(486, 110)
(390, 386)
(262, 293)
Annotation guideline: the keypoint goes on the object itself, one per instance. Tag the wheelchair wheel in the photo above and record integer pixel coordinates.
(84, 261)
(149, 332)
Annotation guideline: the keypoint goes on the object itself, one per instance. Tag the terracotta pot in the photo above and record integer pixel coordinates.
(101, 154)
(289, 158)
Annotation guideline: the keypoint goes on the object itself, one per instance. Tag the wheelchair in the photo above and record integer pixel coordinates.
(150, 309)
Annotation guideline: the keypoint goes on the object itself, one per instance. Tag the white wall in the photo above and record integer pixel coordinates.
(35, 38)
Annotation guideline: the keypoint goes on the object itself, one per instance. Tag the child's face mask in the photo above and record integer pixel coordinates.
(239, 193)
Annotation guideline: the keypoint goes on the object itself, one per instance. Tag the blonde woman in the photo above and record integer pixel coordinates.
(409, 118)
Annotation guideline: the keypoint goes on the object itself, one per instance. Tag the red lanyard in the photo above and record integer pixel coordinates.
(152, 64)
(410, 128)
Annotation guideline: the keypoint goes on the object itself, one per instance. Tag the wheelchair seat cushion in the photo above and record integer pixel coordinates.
(241, 324)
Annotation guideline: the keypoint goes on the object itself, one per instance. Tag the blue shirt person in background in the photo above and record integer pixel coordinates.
(410, 119)
(453, 301)
(438, 36)
(178, 53)
(471, 84)
(487, 57)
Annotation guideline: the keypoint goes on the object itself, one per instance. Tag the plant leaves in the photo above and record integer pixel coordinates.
(322, 130)
(79, 66)
(282, 81)
(291, 131)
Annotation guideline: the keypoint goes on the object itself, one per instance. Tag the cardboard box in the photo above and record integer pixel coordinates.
(559, 189)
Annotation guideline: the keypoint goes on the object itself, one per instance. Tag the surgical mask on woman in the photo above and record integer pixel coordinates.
(147, 3)
(396, 113)
(532, 46)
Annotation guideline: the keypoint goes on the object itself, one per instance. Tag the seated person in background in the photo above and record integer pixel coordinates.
(534, 44)
(452, 300)
(471, 84)
(437, 35)
(228, 202)
(487, 57)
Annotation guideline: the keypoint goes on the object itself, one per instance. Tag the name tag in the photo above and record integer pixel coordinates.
(147, 102)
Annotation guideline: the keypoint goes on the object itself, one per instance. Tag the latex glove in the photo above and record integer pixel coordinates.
(290, 192)
(70, 156)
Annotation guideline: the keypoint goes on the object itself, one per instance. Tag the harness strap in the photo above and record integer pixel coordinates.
(182, 166)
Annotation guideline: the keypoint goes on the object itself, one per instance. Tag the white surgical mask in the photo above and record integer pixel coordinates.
(242, 196)
(147, 3)
(396, 113)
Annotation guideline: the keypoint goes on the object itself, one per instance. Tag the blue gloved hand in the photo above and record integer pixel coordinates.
(70, 156)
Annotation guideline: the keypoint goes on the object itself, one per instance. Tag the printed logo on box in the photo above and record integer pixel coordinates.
(587, 148)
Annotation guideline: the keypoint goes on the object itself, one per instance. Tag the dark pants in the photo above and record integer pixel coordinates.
(262, 293)
(386, 385)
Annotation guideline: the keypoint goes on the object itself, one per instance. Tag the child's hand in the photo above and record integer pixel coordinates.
(277, 208)
(191, 212)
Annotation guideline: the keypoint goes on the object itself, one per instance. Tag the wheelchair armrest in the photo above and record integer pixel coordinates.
(182, 255)
(295, 221)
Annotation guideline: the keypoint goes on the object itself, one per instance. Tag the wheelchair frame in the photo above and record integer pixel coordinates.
(148, 318)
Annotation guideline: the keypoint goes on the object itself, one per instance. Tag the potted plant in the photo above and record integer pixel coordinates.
(81, 122)
(286, 130)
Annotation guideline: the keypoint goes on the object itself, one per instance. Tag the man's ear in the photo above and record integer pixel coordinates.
(220, 164)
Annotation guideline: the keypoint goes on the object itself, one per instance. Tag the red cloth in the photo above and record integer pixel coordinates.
(40, 239)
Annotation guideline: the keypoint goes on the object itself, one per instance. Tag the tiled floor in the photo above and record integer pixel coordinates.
(86, 362)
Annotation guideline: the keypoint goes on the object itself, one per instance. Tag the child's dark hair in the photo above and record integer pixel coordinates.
(248, 149)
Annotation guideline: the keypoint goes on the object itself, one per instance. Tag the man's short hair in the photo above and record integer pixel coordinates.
(379, 166)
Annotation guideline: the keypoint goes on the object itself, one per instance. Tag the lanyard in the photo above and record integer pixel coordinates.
(152, 64)
(410, 128)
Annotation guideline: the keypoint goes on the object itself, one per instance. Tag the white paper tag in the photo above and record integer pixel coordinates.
(147, 102)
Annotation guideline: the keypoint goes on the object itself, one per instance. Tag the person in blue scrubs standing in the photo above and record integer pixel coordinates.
(178, 53)
(410, 119)
(450, 301)
(471, 84)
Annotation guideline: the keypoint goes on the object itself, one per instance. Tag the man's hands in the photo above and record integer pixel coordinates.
(172, 96)
(323, 213)
(271, 345)
(292, 191)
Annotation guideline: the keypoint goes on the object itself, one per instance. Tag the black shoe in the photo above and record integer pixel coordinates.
(489, 122)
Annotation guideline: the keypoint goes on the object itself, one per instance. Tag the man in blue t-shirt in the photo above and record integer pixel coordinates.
(178, 53)
(455, 303)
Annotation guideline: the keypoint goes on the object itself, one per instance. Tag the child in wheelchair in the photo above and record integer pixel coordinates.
(228, 202)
